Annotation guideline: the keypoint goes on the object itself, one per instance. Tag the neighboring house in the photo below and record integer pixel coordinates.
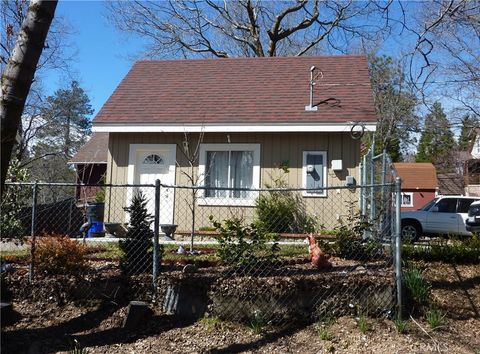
(450, 184)
(419, 184)
(254, 115)
(472, 169)
(90, 163)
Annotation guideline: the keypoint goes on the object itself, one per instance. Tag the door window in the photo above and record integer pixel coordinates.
(463, 205)
(447, 205)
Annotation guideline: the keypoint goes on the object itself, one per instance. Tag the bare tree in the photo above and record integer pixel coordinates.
(446, 53)
(191, 151)
(19, 72)
(54, 57)
(213, 28)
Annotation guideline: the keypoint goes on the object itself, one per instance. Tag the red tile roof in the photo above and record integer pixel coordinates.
(241, 90)
(417, 175)
(95, 150)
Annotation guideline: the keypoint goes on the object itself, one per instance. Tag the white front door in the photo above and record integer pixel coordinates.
(149, 162)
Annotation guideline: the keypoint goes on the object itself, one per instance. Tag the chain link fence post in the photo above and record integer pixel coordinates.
(398, 245)
(32, 232)
(156, 230)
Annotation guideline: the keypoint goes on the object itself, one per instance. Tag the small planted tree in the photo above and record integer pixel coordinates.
(137, 247)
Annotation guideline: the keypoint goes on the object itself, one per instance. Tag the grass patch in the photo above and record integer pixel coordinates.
(111, 250)
(363, 324)
(400, 325)
(257, 322)
(211, 323)
(323, 329)
(435, 318)
(417, 287)
(15, 254)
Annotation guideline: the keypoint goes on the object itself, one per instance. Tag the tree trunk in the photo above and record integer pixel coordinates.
(18, 75)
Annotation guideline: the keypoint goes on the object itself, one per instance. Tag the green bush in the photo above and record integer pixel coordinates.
(137, 247)
(245, 247)
(283, 211)
(350, 243)
(13, 201)
(457, 251)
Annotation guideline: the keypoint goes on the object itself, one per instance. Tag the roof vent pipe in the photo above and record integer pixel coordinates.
(311, 107)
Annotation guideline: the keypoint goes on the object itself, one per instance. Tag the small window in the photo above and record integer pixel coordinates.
(447, 205)
(153, 159)
(314, 173)
(407, 199)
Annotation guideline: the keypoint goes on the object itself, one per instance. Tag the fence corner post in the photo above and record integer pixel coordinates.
(398, 245)
(32, 233)
(156, 231)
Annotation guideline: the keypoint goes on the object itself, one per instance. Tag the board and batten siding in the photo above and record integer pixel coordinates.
(275, 149)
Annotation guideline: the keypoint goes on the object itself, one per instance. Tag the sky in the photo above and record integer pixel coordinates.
(102, 57)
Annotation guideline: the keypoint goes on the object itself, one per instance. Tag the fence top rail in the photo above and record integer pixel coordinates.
(61, 184)
(277, 189)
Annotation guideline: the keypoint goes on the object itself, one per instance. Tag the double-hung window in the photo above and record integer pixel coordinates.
(226, 170)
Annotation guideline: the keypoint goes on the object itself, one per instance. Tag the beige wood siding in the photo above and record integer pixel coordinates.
(275, 149)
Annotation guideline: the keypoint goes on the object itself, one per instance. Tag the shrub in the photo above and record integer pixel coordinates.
(282, 211)
(244, 246)
(137, 247)
(458, 251)
(58, 254)
(416, 286)
(13, 201)
(350, 243)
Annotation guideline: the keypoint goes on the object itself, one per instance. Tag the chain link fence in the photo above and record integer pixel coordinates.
(239, 254)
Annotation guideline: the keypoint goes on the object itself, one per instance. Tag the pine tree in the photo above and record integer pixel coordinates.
(137, 247)
(395, 106)
(436, 142)
(467, 133)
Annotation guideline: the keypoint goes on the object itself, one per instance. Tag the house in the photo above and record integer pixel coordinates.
(248, 117)
(472, 169)
(419, 184)
(450, 184)
(90, 163)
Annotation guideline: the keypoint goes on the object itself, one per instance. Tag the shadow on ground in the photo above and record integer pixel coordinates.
(60, 337)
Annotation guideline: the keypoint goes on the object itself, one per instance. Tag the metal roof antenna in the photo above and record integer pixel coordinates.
(311, 107)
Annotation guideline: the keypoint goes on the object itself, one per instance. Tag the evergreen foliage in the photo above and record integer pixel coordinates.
(137, 247)
(436, 142)
(64, 126)
(468, 132)
(14, 200)
(395, 106)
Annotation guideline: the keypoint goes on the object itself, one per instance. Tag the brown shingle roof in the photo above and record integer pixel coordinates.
(94, 151)
(417, 175)
(241, 90)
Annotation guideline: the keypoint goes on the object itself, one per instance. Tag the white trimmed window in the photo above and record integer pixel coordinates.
(314, 172)
(229, 166)
(407, 199)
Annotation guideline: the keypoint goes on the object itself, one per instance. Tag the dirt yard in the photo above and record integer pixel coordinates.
(47, 328)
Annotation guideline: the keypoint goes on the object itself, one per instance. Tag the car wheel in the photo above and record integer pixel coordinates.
(410, 232)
